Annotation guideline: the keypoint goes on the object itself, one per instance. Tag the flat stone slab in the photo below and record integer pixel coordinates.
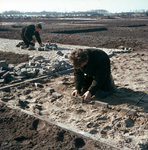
(101, 104)
(50, 90)
(78, 99)
(130, 112)
(56, 94)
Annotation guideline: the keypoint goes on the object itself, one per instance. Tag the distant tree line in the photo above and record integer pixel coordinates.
(13, 12)
(98, 11)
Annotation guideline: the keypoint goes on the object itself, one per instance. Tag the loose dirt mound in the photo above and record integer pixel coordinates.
(22, 131)
(12, 58)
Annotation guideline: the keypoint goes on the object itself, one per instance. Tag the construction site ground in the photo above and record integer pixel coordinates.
(20, 130)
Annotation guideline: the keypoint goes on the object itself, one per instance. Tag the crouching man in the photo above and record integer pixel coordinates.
(28, 32)
(92, 73)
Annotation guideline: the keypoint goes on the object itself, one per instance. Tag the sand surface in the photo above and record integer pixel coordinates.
(130, 72)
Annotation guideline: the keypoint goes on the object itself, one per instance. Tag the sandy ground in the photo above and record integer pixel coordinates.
(130, 72)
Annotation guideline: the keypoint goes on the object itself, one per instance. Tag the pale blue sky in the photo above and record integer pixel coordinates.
(73, 5)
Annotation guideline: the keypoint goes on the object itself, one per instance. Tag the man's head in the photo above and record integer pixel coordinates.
(38, 27)
(79, 58)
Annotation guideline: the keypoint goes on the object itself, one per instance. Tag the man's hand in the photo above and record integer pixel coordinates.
(41, 44)
(75, 93)
(86, 96)
(32, 41)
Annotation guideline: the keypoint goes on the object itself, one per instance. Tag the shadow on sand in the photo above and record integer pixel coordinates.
(126, 96)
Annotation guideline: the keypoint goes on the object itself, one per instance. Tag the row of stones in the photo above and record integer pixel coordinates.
(125, 110)
(47, 47)
(35, 67)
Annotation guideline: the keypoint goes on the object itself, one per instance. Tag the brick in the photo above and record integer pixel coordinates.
(102, 104)
(2, 81)
(38, 85)
(31, 63)
(78, 98)
(56, 94)
(22, 65)
(11, 66)
(30, 57)
(60, 53)
(24, 71)
(131, 112)
(41, 49)
(49, 90)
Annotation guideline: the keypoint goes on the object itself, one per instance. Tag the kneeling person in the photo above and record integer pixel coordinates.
(92, 73)
(28, 32)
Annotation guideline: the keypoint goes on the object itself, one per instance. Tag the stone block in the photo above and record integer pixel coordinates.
(32, 74)
(4, 65)
(30, 57)
(36, 70)
(66, 56)
(2, 81)
(56, 94)
(31, 63)
(22, 65)
(131, 112)
(29, 69)
(41, 49)
(53, 48)
(78, 98)
(19, 73)
(46, 61)
(24, 71)
(42, 72)
(16, 68)
(11, 66)
(101, 104)
(50, 90)
(38, 85)
(38, 58)
(46, 49)
(60, 53)
(55, 64)
(37, 65)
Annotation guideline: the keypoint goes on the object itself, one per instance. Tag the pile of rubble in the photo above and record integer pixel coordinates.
(36, 66)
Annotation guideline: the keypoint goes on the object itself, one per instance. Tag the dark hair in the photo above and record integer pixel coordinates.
(77, 57)
(39, 26)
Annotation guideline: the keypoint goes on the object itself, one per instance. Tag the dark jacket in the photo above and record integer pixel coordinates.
(29, 31)
(98, 67)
